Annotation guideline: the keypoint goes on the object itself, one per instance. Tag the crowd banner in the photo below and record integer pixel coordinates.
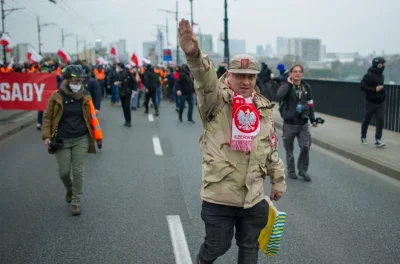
(25, 91)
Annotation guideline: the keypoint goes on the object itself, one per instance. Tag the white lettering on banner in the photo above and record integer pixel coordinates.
(16, 92)
(26, 94)
(39, 91)
(5, 93)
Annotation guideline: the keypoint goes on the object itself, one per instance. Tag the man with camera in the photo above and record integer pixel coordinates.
(296, 108)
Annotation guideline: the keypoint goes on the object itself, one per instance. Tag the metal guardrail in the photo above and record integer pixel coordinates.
(346, 100)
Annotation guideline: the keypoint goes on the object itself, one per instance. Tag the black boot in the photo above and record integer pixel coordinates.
(292, 175)
(200, 261)
(305, 175)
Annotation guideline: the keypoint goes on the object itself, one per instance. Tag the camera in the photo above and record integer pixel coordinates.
(55, 144)
(319, 120)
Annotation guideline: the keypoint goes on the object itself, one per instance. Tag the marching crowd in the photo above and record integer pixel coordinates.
(239, 142)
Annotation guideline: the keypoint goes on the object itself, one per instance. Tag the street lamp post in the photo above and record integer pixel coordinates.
(177, 25)
(40, 28)
(191, 12)
(226, 39)
(63, 36)
(3, 30)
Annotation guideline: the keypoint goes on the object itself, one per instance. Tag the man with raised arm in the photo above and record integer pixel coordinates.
(239, 147)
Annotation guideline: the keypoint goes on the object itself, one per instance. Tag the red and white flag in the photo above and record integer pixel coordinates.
(5, 40)
(33, 56)
(63, 54)
(134, 60)
(101, 61)
(114, 52)
(139, 61)
(145, 61)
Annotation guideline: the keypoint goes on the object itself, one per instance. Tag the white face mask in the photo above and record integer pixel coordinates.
(75, 87)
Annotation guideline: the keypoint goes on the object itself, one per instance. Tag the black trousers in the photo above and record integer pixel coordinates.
(372, 109)
(151, 95)
(126, 105)
(220, 222)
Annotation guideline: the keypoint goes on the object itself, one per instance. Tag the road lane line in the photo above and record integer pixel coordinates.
(151, 118)
(157, 146)
(181, 249)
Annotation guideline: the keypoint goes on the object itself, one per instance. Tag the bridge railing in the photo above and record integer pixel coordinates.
(346, 100)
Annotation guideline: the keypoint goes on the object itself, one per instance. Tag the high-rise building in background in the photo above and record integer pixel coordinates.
(260, 51)
(281, 46)
(150, 50)
(269, 52)
(20, 51)
(236, 46)
(121, 46)
(303, 48)
(205, 42)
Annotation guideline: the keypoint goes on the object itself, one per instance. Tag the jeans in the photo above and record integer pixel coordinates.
(189, 99)
(220, 222)
(115, 94)
(71, 159)
(177, 99)
(158, 95)
(40, 117)
(135, 99)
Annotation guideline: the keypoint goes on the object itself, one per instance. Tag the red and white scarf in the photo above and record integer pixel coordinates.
(245, 123)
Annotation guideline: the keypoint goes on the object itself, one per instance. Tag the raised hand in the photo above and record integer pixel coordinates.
(187, 39)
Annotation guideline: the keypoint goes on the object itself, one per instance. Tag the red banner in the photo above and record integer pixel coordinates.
(21, 91)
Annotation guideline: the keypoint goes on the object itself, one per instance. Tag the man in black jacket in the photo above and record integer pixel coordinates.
(372, 85)
(127, 85)
(185, 89)
(151, 83)
(297, 108)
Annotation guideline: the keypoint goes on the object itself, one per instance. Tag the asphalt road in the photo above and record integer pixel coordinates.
(346, 215)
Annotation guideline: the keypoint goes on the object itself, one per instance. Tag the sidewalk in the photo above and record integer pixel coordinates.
(343, 137)
(12, 121)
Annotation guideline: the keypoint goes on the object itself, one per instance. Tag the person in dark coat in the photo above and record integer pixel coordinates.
(185, 89)
(126, 86)
(151, 83)
(375, 95)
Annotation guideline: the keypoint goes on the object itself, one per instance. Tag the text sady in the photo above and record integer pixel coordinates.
(27, 92)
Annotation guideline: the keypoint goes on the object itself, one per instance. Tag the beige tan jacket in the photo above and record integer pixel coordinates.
(231, 177)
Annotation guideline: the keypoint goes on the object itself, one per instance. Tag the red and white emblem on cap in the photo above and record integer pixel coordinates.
(244, 63)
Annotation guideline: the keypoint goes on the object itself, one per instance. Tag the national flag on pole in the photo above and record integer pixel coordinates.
(114, 52)
(33, 56)
(63, 54)
(134, 59)
(5, 40)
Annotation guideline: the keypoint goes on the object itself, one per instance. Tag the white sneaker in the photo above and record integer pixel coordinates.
(379, 143)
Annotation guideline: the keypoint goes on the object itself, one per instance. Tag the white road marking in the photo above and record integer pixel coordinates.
(151, 118)
(181, 249)
(157, 146)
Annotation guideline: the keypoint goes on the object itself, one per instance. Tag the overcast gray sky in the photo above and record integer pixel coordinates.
(342, 25)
